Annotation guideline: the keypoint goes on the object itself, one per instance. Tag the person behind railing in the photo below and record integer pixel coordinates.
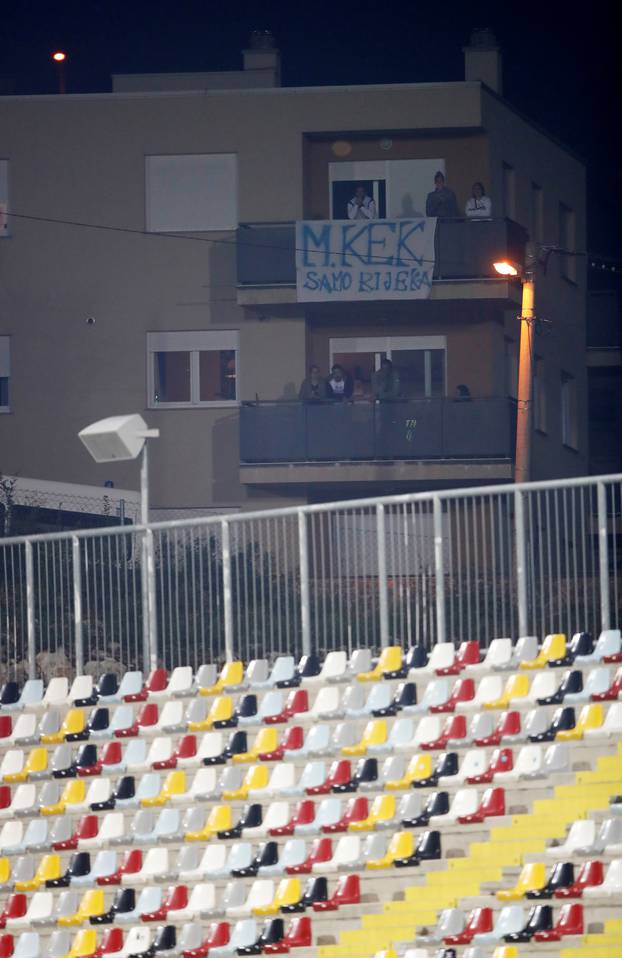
(340, 385)
(441, 202)
(361, 206)
(478, 206)
(385, 382)
(313, 388)
(463, 393)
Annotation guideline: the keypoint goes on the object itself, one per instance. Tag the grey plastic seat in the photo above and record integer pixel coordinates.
(557, 759)
(317, 741)
(313, 774)
(374, 846)
(609, 643)
(234, 893)
(240, 856)
(401, 733)
(28, 945)
(197, 710)
(59, 943)
(149, 900)
(536, 722)
(525, 650)
(244, 935)
(148, 787)
(143, 826)
(353, 701)
(135, 755)
(105, 864)
(436, 693)
(50, 722)
(360, 661)
(36, 837)
(450, 922)
(194, 818)
(191, 935)
(344, 735)
(327, 812)
(609, 836)
(186, 868)
(481, 725)
(168, 826)
(410, 806)
(257, 672)
(206, 676)
(293, 853)
(392, 768)
(597, 681)
(282, 671)
(231, 779)
(66, 905)
(62, 758)
(32, 694)
(62, 829)
(259, 895)
(23, 869)
(510, 920)
(271, 704)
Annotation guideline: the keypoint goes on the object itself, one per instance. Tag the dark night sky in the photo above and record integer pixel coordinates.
(560, 63)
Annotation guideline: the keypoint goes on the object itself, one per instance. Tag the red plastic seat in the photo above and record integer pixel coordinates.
(467, 654)
(479, 922)
(147, 716)
(297, 702)
(612, 692)
(6, 726)
(321, 851)
(5, 796)
(463, 691)
(590, 875)
(292, 741)
(508, 726)
(356, 810)
(570, 922)
(111, 943)
(304, 814)
(339, 773)
(455, 729)
(15, 907)
(157, 681)
(87, 827)
(112, 754)
(217, 936)
(347, 892)
(613, 659)
(131, 864)
(86, 771)
(6, 946)
(175, 898)
(298, 935)
(492, 803)
(501, 760)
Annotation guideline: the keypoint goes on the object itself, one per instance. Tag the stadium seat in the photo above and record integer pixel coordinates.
(611, 727)
(321, 851)
(553, 649)
(450, 922)
(611, 886)
(479, 922)
(609, 644)
(498, 656)
(591, 875)
(562, 875)
(510, 919)
(532, 877)
(569, 922)
(442, 656)
(582, 834)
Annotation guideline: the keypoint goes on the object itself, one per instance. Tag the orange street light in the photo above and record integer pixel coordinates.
(59, 56)
(506, 269)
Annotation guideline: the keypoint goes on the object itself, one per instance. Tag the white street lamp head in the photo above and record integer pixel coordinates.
(117, 437)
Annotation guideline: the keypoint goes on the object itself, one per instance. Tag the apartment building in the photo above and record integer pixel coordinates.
(149, 263)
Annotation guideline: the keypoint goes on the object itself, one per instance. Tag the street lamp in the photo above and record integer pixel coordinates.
(522, 457)
(59, 59)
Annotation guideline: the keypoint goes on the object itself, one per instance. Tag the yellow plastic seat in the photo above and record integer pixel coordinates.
(505, 951)
(382, 810)
(174, 784)
(402, 845)
(48, 869)
(419, 767)
(91, 904)
(390, 660)
(84, 943)
(219, 819)
(288, 892)
(232, 673)
(256, 777)
(267, 740)
(386, 953)
(73, 723)
(516, 687)
(73, 793)
(221, 711)
(553, 647)
(5, 870)
(375, 733)
(37, 761)
(590, 716)
(531, 878)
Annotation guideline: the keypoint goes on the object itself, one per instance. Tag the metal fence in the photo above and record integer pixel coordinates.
(472, 563)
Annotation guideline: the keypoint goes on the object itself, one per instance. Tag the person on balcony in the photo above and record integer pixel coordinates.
(313, 388)
(386, 382)
(441, 202)
(361, 206)
(340, 385)
(478, 206)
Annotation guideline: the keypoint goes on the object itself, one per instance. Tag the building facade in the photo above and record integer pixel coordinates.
(148, 264)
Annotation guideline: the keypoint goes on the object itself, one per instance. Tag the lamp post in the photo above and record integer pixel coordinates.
(60, 59)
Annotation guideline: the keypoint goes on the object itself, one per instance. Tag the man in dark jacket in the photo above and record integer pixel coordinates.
(441, 201)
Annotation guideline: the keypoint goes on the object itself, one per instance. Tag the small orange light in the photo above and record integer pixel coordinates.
(506, 269)
(59, 56)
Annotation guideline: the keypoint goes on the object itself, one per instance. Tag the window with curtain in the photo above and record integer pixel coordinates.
(193, 368)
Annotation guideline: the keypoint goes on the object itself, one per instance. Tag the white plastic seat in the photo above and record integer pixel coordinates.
(59, 943)
(481, 725)
(450, 922)
(81, 688)
(257, 671)
(475, 762)
(122, 718)
(312, 774)
(270, 705)
(214, 861)
(244, 935)
(111, 830)
(400, 736)
(346, 852)
(611, 727)
(544, 684)
(11, 837)
(131, 684)
(168, 826)
(282, 777)
(186, 868)
(25, 730)
(28, 945)
(411, 805)
(135, 755)
(353, 701)
(31, 696)
(12, 762)
(536, 721)
(149, 900)
(24, 802)
(179, 684)
(489, 689)
(56, 693)
(379, 697)
(436, 693)
(581, 835)
(528, 764)
(428, 730)
(170, 719)
(211, 745)
(293, 853)
(609, 643)
(204, 785)
(525, 650)
(510, 919)
(191, 937)
(136, 942)
(498, 656)
(155, 864)
(276, 816)
(344, 735)
(148, 787)
(259, 895)
(99, 790)
(464, 802)
(282, 671)
(557, 759)
(393, 767)
(441, 657)
(609, 839)
(327, 812)
(40, 908)
(105, 864)
(333, 668)
(374, 846)
(317, 741)
(202, 898)
(240, 856)
(612, 884)
(36, 836)
(160, 750)
(326, 704)
(597, 681)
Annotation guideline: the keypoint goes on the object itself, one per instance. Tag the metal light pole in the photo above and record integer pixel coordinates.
(60, 59)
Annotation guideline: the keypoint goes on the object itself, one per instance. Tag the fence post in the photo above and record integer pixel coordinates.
(305, 607)
(30, 610)
(151, 601)
(227, 594)
(521, 561)
(383, 592)
(77, 605)
(603, 557)
(439, 569)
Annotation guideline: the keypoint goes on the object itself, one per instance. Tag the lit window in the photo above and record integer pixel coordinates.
(569, 411)
(5, 373)
(4, 197)
(192, 368)
(539, 395)
(191, 193)
(567, 240)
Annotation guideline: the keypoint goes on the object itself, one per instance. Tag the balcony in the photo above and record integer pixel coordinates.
(438, 439)
(464, 253)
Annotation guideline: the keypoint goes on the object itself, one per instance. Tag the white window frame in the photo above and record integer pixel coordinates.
(5, 367)
(194, 342)
(228, 224)
(4, 198)
(386, 344)
(387, 170)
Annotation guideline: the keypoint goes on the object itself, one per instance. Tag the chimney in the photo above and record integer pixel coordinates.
(263, 55)
(482, 59)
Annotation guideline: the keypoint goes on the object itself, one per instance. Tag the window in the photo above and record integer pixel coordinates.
(511, 368)
(191, 193)
(4, 197)
(539, 395)
(567, 240)
(418, 360)
(398, 187)
(193, 368)
(5, 373)
(569, 411)
(509, 191)
(537, 213)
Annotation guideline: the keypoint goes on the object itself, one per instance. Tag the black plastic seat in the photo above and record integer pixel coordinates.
(561, 877)
(572, 682)
(316, 889)
(428, 849)
(446, 764)
(267, 855)
(238, 742)
(582, 644)
(272, 932)
(10, 693)
(87, 757)
(124, 792)
(247, 706)
(309, 666)
(99, 719)
(540, 918)
(405, 695)
(124, 901)
(436, 804)
(79, 866)
(108, 684)
(165, 939)
(366, 771)
(416, 657)
(252, 817)
(563, 719)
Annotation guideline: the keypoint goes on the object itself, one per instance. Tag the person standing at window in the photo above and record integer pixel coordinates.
(441, 201)
(478, 206)
(361, 206)
(313, 388)
(340, 386)
(386, 382)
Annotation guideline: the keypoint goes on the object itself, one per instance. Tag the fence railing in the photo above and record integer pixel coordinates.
(426, 567)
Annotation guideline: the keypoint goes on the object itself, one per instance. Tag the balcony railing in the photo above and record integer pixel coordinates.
(272, 432)
(465, 249)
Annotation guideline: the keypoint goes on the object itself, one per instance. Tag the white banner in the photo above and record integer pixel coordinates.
(377, 259)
